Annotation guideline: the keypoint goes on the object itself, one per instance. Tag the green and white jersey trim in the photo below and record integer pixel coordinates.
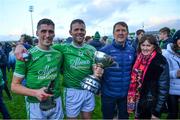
(18, 75)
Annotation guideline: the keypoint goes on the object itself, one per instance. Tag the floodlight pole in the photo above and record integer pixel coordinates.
(31, 8)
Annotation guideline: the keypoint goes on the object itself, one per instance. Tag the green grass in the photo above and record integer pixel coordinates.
(17, 108)
(97, 112)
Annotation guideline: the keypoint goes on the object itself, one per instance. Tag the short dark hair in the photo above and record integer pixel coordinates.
(121, 23)
(165, 30)
(45, 21)
(26, 39)
(76, 21)
(139, 31)
(152, 40)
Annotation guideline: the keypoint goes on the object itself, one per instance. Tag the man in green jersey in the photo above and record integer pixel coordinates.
(78, 63)
(43, 67)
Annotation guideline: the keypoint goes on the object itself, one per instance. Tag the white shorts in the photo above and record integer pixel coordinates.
(34, 112)
(78, 100)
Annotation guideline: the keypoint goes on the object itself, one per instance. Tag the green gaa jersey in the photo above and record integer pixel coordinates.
(43, 67)
(77, 63)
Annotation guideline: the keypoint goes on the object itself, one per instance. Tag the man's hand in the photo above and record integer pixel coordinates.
(41, 95)
(20, 49)
(178, 73)
(98, 70)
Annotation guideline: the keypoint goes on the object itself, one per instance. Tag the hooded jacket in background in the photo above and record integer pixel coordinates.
(174, 65)
(96, 41)
(176, 36)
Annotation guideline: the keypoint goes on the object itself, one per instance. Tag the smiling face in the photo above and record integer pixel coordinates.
(45, 34)
(78, 32)
(120, 33)
(146, 48)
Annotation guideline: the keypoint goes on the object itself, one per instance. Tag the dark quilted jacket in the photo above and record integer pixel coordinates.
(116, 79)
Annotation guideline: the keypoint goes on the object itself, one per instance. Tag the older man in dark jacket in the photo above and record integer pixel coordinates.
(116, 79)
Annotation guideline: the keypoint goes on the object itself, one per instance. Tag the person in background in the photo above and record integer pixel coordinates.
(172, 54)
(164, 37)
(35, 41)
(3, 62)
(26, 41)
(7, 48)
(87, 39)
(3, 108)
(96, 41)
(149, 85)
(115, 80)
(68, 40)
(164, 40)
(3, 65)
(139, 34)
(104, 40)
(43, 67)
(12, 59)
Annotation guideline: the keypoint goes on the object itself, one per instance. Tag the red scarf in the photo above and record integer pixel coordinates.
(137, 77)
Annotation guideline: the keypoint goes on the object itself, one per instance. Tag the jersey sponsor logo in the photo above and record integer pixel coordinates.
(47, 73)
(48, 57)
(78, 63)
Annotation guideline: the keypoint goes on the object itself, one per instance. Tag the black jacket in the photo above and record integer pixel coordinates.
(165, 43)
(97, 44)
(155, 88)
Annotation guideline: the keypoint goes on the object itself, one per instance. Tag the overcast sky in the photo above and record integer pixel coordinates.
(99, 15)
